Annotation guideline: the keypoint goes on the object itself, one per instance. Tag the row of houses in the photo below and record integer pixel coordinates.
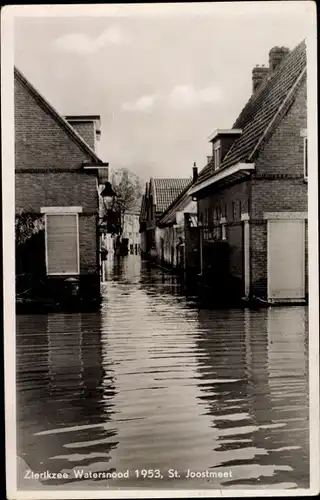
(241, 223)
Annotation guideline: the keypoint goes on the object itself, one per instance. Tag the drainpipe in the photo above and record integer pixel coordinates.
(200, 237)
(246, 251)
(201, 251)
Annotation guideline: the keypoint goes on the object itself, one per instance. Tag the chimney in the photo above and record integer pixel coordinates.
(87, 126)
(276, 55)
(194, 172)
(259, 74)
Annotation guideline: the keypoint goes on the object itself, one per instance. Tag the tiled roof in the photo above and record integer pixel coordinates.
(261, 109)
(167, 190)
(182, 196)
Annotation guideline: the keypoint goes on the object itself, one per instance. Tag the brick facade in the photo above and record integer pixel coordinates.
(35, 190)
(41, 142)
(277, 185)
(87, 131)
(231, 203)
(48, 162)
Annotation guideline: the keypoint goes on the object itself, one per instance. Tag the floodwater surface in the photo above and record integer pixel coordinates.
(160, 389)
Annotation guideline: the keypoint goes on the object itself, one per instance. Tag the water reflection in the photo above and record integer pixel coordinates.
(152, 381)
(256, 391)
(66, 405)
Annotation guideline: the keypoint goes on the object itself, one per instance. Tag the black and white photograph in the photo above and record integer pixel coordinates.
(159, 178)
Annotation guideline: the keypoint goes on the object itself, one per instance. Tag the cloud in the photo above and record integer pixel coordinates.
(186, 96)
(113, 36)
(80, 43)
(144, 103)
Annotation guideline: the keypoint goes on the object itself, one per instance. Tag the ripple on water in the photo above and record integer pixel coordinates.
(152, 381)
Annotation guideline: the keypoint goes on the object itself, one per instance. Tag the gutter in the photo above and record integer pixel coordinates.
(223, 174)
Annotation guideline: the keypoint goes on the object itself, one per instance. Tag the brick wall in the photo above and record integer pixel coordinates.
(276, 195)
(233, 202)
(87, 242)
(87, 131)
(41, 143)
(283, 153)
(39, 140)
(35, 190)
(258, 258)
(278, 185)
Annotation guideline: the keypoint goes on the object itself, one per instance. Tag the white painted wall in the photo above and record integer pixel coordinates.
(190, 208)
(131, 229)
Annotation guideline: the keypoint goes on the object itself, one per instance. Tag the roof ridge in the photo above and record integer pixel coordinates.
(262, 110)
(267, 81)
(170, 178)
(260, 96)
(290, 94)
(57, 116)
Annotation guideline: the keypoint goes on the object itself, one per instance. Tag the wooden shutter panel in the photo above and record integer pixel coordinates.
(62, 244)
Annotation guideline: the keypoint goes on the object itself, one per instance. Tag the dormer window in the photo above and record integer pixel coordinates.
(222, 140)
(217, 156)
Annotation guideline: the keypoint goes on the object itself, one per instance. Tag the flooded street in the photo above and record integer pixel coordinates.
(154, 381)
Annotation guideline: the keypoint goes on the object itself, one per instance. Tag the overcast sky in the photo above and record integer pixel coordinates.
(160, 82)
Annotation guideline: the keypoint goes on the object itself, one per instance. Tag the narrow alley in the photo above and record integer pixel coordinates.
(156, 381)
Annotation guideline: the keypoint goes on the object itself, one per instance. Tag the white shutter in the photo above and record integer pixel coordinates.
(286, 256)
(62, 244)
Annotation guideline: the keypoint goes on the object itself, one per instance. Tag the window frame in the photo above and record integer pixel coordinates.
(223, 222)
(305, 158)
(62, 211)
(217, 156)
(234, 211)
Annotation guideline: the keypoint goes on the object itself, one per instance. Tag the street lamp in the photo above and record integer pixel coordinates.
(109, 218)
(108, 194)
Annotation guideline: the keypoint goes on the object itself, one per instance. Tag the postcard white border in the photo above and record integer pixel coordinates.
(148, 10)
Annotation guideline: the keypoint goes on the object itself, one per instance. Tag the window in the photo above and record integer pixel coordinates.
(305, 157)
(234, 210)
(217, 156)
(223, 232)
(216, 215)
(206, 223)
(62, 243)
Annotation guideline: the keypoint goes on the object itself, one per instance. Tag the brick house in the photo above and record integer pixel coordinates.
(159, 194)
(252, 194)
(131, 230)
(178, 238)
(56, 181)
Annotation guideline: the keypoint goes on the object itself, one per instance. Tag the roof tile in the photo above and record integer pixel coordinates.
(261, 109)
(167, 190)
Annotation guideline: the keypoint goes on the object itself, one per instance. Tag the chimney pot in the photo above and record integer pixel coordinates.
(194, 172)
(276, 55)
(259, 74)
